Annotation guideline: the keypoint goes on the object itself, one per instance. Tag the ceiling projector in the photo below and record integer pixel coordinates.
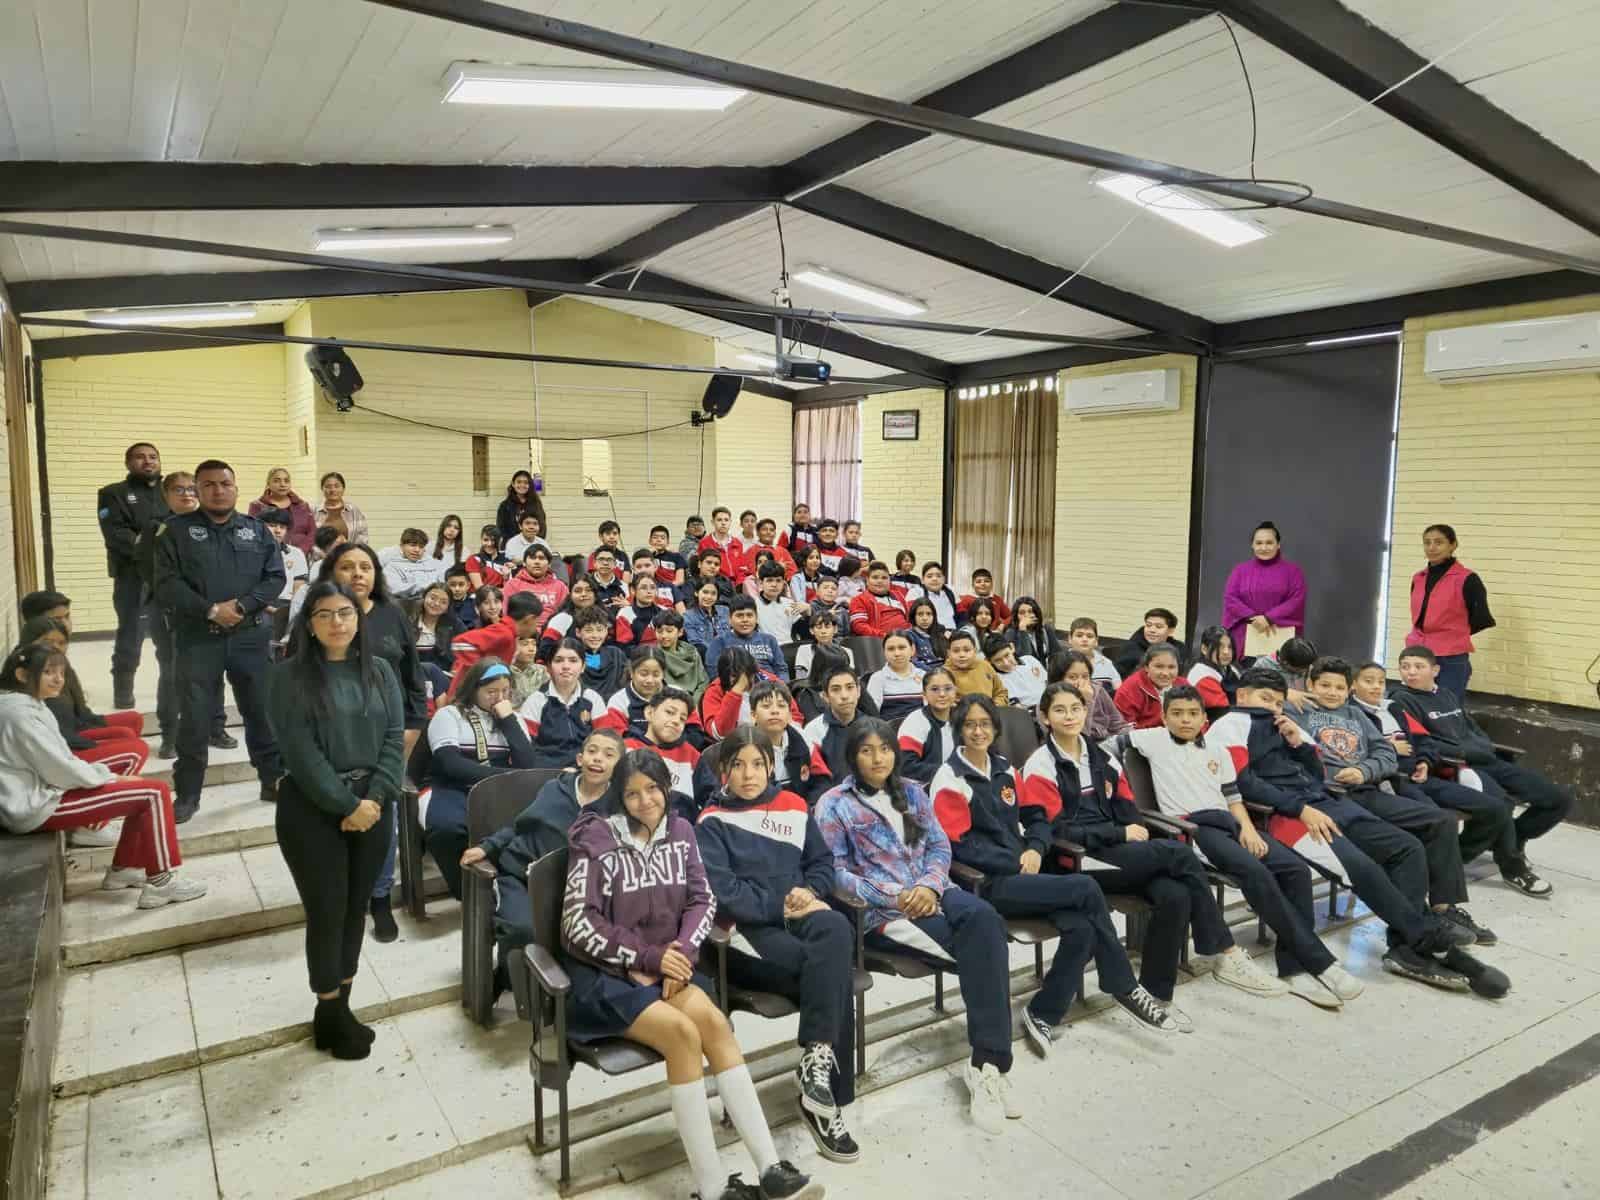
(803, 370)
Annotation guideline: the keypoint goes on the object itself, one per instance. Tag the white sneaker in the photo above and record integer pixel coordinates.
(95, 839)
(1341, 983)
(988, 1103)
(1008, 1099)
(1236, 969)
(176, 890)
(117, 878)
(1310, 988)
(1180, 1019)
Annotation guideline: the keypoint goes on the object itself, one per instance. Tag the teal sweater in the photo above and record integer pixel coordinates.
(365, 731)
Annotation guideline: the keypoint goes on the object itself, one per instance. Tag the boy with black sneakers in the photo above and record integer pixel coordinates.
(1435, 719)
(1488, 818)
(772, 872)
(1278, 766)
(1194, 779)
(1356, 759)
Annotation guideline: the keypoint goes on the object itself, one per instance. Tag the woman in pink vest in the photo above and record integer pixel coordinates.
(1448, 605)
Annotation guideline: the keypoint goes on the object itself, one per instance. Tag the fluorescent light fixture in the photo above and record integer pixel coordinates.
(1179, 207)
(170, 316)
(853, 289)
(1387, 334)
(582, 87)
(350, 237)
(765, 361)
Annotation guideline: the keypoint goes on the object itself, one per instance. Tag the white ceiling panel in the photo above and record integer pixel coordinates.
(1535, 61)
(1182, 99)
(349, 81)
(742, 259)
(540, 233)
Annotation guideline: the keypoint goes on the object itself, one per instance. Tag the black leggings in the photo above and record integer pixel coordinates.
(334, 872)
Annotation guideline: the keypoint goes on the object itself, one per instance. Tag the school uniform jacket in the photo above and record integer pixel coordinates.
(895, 695)
(798, 767)
(874, 616)
(872, 861)
(828, 735)
(1270, 771)
(636, 626)
(796, 538)
(1002, 610)
(493, 569)
(981, 814)
(557, 727)
(1087, 811)
(735, 564)
(468, 646)
(925, 743)
(1139, 700)
(1439, 717)
(721, 710)
(1207, 680)
(460, 757)
(682, 761)
(537, 830)
(756, 851)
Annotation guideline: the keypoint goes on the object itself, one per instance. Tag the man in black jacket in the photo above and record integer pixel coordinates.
(125, 508)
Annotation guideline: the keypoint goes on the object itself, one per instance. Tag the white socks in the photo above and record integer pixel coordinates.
(738, 1092)
(693, 1115)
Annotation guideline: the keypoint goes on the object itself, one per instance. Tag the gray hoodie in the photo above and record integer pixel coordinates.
(36, 765)
(1345, 737)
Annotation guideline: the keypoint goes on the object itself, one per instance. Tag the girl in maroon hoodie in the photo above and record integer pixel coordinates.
(636, 913)
(1139, 697)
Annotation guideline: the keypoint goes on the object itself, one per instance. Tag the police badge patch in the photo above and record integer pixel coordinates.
(245, 534)
(197, 533)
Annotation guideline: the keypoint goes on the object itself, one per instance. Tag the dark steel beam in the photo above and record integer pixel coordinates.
(765, 387)
(1394, 310)
(834, 393)
(1039, 363)
(630, 253)
(827, 339)
(95, 345)
(513, 22)
(1097, 38)
(1359, 56)
(962, 249)
(217, 287)
(188, 186)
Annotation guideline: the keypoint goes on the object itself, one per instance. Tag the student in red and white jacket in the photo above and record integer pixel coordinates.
(876, 612)
(727, 544)
(799, 533)
(975, 799)
(1139, 697)
(828, 545)
(983, 589)
(767, 539)
(499, 639)
(666, 718)
(726, 702)
(924, 737)
(636, 620)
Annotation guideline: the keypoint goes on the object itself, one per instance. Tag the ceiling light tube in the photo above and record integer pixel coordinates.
(170, 316)
(830, 280)
(413, 237)
(1180, 208)
(765, 361)
(1387, 334)
(583, 87)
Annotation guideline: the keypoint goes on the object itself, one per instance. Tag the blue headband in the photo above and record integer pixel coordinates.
(494, 672)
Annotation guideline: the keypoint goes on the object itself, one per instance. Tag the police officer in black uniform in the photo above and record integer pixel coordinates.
(216, 571)
(125, 508)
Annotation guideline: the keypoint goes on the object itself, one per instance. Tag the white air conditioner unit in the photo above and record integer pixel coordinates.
(1131, 391)
(1544, 346)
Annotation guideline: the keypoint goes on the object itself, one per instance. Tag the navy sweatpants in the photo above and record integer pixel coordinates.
(1076, 906)
(809, 962)
(1387, 868)
(972, 933)
(1431, 825)
(1278, 887)
(1488, 825)
(1548, 804)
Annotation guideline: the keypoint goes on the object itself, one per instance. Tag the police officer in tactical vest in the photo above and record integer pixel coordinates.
(125, 508)
(216, 571)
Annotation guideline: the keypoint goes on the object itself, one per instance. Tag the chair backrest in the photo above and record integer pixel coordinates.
(790, 649)
(494, 803)
(868, 653)
(1136, 770)
(547, 884)
(1019, 735)
(419, 762)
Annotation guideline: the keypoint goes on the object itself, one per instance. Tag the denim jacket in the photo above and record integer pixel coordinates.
(871, 859)
(702, 630)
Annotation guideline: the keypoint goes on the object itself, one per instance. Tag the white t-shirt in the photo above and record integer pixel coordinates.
(518, 546)
(1025, 683)
(294, 568)
(773, 617)
(880, 803)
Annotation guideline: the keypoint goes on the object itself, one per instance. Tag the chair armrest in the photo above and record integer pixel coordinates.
(1259, 810)
(1168, 824)
(1452, 760)
(1509, 753)
(964, 874)
(550, 974)
(1066, 847)
(482, 869)
(719, 937)
(849, 901)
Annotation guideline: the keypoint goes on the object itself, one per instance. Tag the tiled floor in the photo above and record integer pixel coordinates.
(1265, 1099)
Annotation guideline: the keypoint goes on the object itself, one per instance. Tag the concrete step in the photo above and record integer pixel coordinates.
(231, 817)
(222, 766)
(251, 890)
(152, 727)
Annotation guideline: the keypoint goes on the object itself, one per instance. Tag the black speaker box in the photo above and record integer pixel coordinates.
(721, 392)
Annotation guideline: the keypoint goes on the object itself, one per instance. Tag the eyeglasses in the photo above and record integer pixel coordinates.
(978, 726)
(346, 613)
(942, 689)
(186, 491)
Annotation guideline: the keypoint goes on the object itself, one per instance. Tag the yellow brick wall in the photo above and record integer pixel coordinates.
(194, 404)
(755, 457)
(300, 410)
(1120, 548)
(1514, 466)
(902, 494)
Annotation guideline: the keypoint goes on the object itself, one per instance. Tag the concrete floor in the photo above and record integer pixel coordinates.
(185, 1070)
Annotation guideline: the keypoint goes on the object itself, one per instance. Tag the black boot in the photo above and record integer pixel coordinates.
(366, 1032)
(331, 1030)
(383, 927)
(122, 691)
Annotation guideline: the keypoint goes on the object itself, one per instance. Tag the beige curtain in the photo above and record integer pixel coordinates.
(827, 460)
(1005, 490)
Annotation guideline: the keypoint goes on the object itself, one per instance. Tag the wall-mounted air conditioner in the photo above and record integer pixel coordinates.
(1131, 391)
(1543, 346)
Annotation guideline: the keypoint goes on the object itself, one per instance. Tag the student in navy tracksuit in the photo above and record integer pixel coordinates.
(924, 737)
(477, 735)
(772, 873)
(797, 764)
(830, 728)
(560, 715)
(975, 799)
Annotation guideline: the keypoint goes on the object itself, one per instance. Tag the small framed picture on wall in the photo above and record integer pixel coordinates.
(901, 425)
